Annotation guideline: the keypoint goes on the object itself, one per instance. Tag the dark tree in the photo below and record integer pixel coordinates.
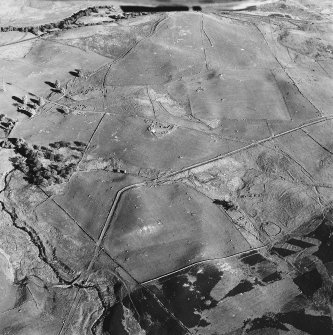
(47, 173)
(63, 144)
(58, 157)
(55, 145)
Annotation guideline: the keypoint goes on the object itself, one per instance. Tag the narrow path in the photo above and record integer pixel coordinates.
(20, 41)
(203, 262)
(267, 139)
(109, 219)
(173, 174)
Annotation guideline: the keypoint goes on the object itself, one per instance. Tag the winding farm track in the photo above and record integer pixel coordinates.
(20, 41)
(166, 177)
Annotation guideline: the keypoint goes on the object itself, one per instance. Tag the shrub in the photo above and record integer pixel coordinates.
(79, 144)
(47, 154)
(58, 168)
(37, 179)
(24, 149)
(64, 144)
(25, 100)
(63, 173)
(37, 167)
(41, 101)
(55, 145)
(58, 157)
(34, 30)
(33, 161)
(65, 110)
(58, 180)
(53, 172)
(24, 168)
(44, 183)
(70, 169)
(47, 173)
(20, 164)
(79, 73)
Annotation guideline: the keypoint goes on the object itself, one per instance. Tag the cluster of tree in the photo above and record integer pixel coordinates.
(30, 111)
(76, 145)
(52, 174)
(5, 144)
(63, 24)
(61, 89)
(38, 174)
(60, 144)
(30, 108)
(6, 123)
(68, 22)
(52, 156)
(30, 162)
(27, 29)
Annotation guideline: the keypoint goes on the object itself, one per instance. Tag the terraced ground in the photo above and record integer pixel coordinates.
(175, 178)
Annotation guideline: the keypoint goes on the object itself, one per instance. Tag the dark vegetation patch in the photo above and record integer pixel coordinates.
(324, 233)
(268, 320)
(46, 166)
(309, 282)
(282, 252)
(227, 205)
(187, 294)
(253, 259)
(113, 320)
(242, 287)
(6, 124)
(310, 324)
(147, 312)
(300, 243)
(273, 277)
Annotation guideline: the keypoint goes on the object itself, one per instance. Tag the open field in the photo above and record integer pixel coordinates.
(138, 148)
(89, 195)
(158, 230)
(55, 127)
